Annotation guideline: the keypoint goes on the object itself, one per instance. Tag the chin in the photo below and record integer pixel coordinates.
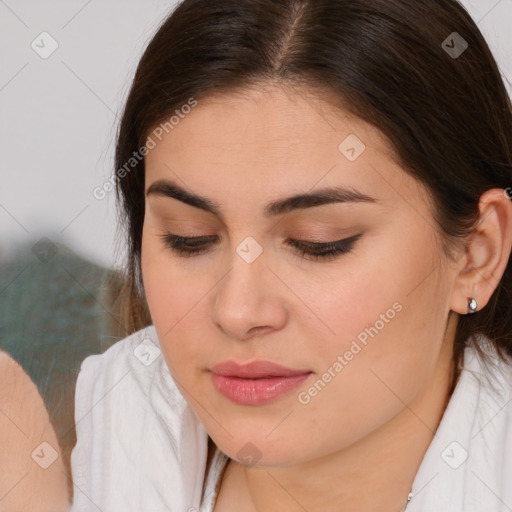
(257, 451)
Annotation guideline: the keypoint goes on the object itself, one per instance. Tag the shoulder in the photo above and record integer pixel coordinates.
(489, 380)
(124, 381)
(20, 400)
(492, 369)
(19, 393)
(11, 373)
(489, 420)
(132, 363)
(474, 438)
(135, 431)
(122, 355)
(28, 468)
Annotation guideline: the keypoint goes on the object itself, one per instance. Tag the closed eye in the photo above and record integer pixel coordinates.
(195, 246)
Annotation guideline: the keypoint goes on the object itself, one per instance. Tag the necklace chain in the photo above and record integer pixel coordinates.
(409, 498)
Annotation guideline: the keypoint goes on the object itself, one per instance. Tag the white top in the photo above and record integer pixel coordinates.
(141, 448)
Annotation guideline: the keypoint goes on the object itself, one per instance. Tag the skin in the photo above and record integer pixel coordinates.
(24, 425)
(370, 427)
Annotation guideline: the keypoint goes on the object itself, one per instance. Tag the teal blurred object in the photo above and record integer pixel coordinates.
(56, 308)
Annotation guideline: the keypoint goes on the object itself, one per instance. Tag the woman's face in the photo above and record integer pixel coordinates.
(364, 331)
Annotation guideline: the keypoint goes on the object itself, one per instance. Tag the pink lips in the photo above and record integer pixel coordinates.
(255, 383)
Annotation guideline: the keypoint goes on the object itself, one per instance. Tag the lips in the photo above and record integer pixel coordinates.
(254, 370)
(255, 383)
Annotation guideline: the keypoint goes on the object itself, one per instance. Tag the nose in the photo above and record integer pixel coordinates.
(248, 300)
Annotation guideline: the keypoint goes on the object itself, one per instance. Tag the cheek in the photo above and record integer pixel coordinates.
(173, 298)
(386, 319)
(383, 354)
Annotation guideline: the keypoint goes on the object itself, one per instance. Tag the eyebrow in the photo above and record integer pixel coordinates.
(279, 207)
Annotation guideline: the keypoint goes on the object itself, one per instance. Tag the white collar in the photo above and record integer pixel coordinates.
(466, 467)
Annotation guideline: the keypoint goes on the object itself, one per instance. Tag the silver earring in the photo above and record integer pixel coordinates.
(472, 305)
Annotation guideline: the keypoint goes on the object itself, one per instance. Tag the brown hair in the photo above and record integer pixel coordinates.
(448, 117)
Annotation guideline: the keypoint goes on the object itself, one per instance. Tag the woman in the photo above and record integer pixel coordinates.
(315, 195)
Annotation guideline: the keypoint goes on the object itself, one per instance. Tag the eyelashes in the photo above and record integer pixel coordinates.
(325, 251)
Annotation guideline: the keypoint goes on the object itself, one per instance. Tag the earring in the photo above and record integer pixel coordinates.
(472, 305)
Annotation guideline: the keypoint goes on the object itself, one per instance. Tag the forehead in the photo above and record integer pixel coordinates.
(270, 119)
(256, 143)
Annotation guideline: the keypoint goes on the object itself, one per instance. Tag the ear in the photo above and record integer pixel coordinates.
(486, 254)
